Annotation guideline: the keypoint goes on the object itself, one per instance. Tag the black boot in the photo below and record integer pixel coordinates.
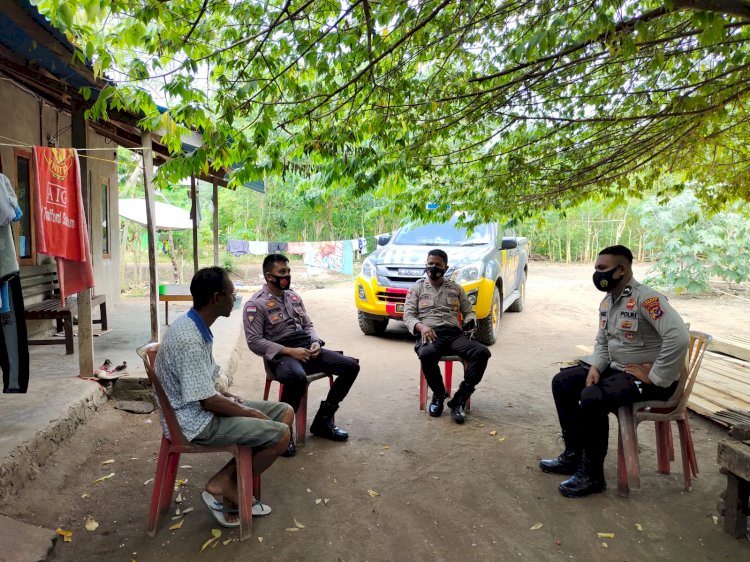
(568, 461)
(588, 479)
(457, 404)
(323, 425)
(436, 406)
(291, 449)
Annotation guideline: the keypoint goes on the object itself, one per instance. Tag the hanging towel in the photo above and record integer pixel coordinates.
(277, 247)
(296, 248)
(60, 224)
(257, 247)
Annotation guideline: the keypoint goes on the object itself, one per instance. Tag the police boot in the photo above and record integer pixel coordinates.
(323, 425)
(436, 406)
(588, 479)
(568, 461)
(291, 449)
(457, 404)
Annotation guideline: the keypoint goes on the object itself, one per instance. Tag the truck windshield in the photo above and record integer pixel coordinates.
(446, 234)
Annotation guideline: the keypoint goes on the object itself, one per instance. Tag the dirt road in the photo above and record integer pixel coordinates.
(446, 492)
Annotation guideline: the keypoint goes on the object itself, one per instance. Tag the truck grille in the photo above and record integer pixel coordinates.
(392, 295)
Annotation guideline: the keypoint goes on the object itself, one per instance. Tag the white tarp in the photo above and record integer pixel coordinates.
(167, 217)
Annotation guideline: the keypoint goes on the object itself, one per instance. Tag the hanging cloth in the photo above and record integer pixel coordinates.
(14, 346)
(60, 224)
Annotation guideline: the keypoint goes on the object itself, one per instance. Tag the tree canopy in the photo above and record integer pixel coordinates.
(504, 107)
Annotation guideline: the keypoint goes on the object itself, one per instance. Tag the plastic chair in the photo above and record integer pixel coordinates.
(447, 380)
(662, 413)
(177, 444)
(300, 416)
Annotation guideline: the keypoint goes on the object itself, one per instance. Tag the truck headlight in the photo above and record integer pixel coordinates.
(468, 273)
(368, 269)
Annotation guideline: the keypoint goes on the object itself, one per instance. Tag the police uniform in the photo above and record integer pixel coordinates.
(269, 322)
(439, 308)
(639, 326)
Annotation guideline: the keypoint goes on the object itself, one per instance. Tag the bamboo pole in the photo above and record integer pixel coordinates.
(148, 188)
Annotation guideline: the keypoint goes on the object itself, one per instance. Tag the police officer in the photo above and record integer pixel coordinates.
(278, 328)
(639, 353)
(432, 310)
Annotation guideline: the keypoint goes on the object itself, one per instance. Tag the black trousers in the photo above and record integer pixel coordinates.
(583, 410)
(453, 342)
(293, 375)
(14, 345)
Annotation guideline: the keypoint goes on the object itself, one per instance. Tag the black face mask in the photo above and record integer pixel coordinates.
(434, 272)
(281, 281)
(605, 280)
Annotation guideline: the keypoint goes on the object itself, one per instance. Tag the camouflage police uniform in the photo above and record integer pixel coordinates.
(639, 326)
(439, 308)
(272, 323)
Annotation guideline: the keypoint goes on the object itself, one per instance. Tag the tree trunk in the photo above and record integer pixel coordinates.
(175, 267)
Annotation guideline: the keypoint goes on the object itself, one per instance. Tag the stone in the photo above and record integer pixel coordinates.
(135, 406)
(21, 542)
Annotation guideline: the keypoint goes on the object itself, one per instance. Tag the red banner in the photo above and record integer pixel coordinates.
(60, 223)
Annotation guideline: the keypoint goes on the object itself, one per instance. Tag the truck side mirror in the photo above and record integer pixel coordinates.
(509, 244)
(383, 239)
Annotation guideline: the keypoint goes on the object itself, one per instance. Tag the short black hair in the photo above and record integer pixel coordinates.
(271, 259)
(439, 253)
(207, 282)
(618, 250)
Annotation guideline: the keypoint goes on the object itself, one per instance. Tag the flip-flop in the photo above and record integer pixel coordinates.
(260, 509)
(218, 514)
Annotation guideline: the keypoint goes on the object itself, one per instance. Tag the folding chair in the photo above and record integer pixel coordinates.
(177, 444)
(447, 380)
(661, 412)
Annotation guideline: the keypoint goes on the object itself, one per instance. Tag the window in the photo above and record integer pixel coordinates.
(105, 217)
(24, 232)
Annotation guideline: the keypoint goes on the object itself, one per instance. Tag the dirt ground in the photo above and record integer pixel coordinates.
(446, 492)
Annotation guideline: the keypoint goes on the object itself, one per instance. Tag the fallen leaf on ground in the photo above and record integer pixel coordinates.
(85, 495)
(188, 510)
(177, 525)
(133, 458)
(147, 482)
(66, 535)
(90, 524)
(481, 424)
(103, 478)
(178, 499)
(208, 543)
(180, 481)
(309, 490)
(335, 481)
(186, 466)
(260, 539)
(436, 477)
(373, 493)
(292, 529)
(109, 461)
(557, 542)
(605, 535)
(298, 524)
(177, 511)
(715, 519)
(216, 533)
(536, 526)
(226, 542)
(493, 433)
(176, 517)
(386, 446)
(639, 527)
(325, 501)
(501, 439)
(605, 545)
(317, 502)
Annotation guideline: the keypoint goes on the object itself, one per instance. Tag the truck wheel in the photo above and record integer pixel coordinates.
(517, 305)
(488, 329)
(371, 327)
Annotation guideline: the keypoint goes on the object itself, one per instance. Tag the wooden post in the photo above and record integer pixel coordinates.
(148, 174)
(79, 130)
(216, 222)
(194, 199)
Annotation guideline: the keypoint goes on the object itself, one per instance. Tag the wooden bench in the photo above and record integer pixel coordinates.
(41, 281)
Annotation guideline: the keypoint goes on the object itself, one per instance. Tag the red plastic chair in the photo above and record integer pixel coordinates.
(662, 413)
(447, 379)
(300, 416)
(177, 444)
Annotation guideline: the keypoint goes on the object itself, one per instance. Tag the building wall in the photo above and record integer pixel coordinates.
(27, 121)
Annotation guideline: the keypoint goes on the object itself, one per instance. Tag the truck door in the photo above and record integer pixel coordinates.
(509, 261)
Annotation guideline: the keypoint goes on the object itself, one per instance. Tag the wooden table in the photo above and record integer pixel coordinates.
(169, 293)
(734, 457)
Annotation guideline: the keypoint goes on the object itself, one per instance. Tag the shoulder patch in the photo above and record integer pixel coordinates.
(653, 307)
